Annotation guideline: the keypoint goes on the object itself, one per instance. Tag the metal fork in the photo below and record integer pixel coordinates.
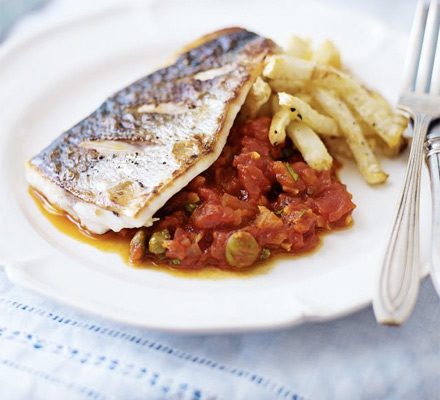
(420, 99)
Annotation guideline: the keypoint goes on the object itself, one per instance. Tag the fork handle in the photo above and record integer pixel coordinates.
(399, 278)
(433, 159)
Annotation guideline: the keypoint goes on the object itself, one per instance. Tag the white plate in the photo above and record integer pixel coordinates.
(51, 80)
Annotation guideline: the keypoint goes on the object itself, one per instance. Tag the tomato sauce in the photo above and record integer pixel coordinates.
(268, 192)
(254, 189)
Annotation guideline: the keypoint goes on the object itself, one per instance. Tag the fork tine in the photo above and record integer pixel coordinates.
(414, 46)
(428, 48)
(435, 80)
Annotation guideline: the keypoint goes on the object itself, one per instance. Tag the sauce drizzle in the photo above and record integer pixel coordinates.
(111, 242)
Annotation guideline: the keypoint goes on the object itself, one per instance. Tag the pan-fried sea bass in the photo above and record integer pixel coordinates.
(118, 166)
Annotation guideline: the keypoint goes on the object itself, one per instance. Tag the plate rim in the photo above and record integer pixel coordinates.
(20, 277)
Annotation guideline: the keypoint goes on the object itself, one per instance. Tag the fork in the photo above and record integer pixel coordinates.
(399, 278)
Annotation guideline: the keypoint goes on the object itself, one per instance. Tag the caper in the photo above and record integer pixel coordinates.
(265, 254)
(157, 241)
(175, 261)
(190, 207)
(242, 250)
(138, 246)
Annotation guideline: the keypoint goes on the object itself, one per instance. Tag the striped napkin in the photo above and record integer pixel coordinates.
(50, 351)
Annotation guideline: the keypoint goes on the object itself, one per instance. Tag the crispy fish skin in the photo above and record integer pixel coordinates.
(118, 166)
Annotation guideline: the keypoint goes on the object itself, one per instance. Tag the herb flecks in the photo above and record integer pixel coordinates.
(291, 171)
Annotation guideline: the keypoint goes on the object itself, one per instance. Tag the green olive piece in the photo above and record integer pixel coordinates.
(156, 243)
(242, 250)
(138, 246)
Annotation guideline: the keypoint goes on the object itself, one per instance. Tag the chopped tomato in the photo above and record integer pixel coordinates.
(282, 202)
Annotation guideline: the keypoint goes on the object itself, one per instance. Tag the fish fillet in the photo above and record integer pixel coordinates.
(118, 166)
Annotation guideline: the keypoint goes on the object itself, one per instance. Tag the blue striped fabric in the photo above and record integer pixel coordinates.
(51, 351)
(49, 346)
